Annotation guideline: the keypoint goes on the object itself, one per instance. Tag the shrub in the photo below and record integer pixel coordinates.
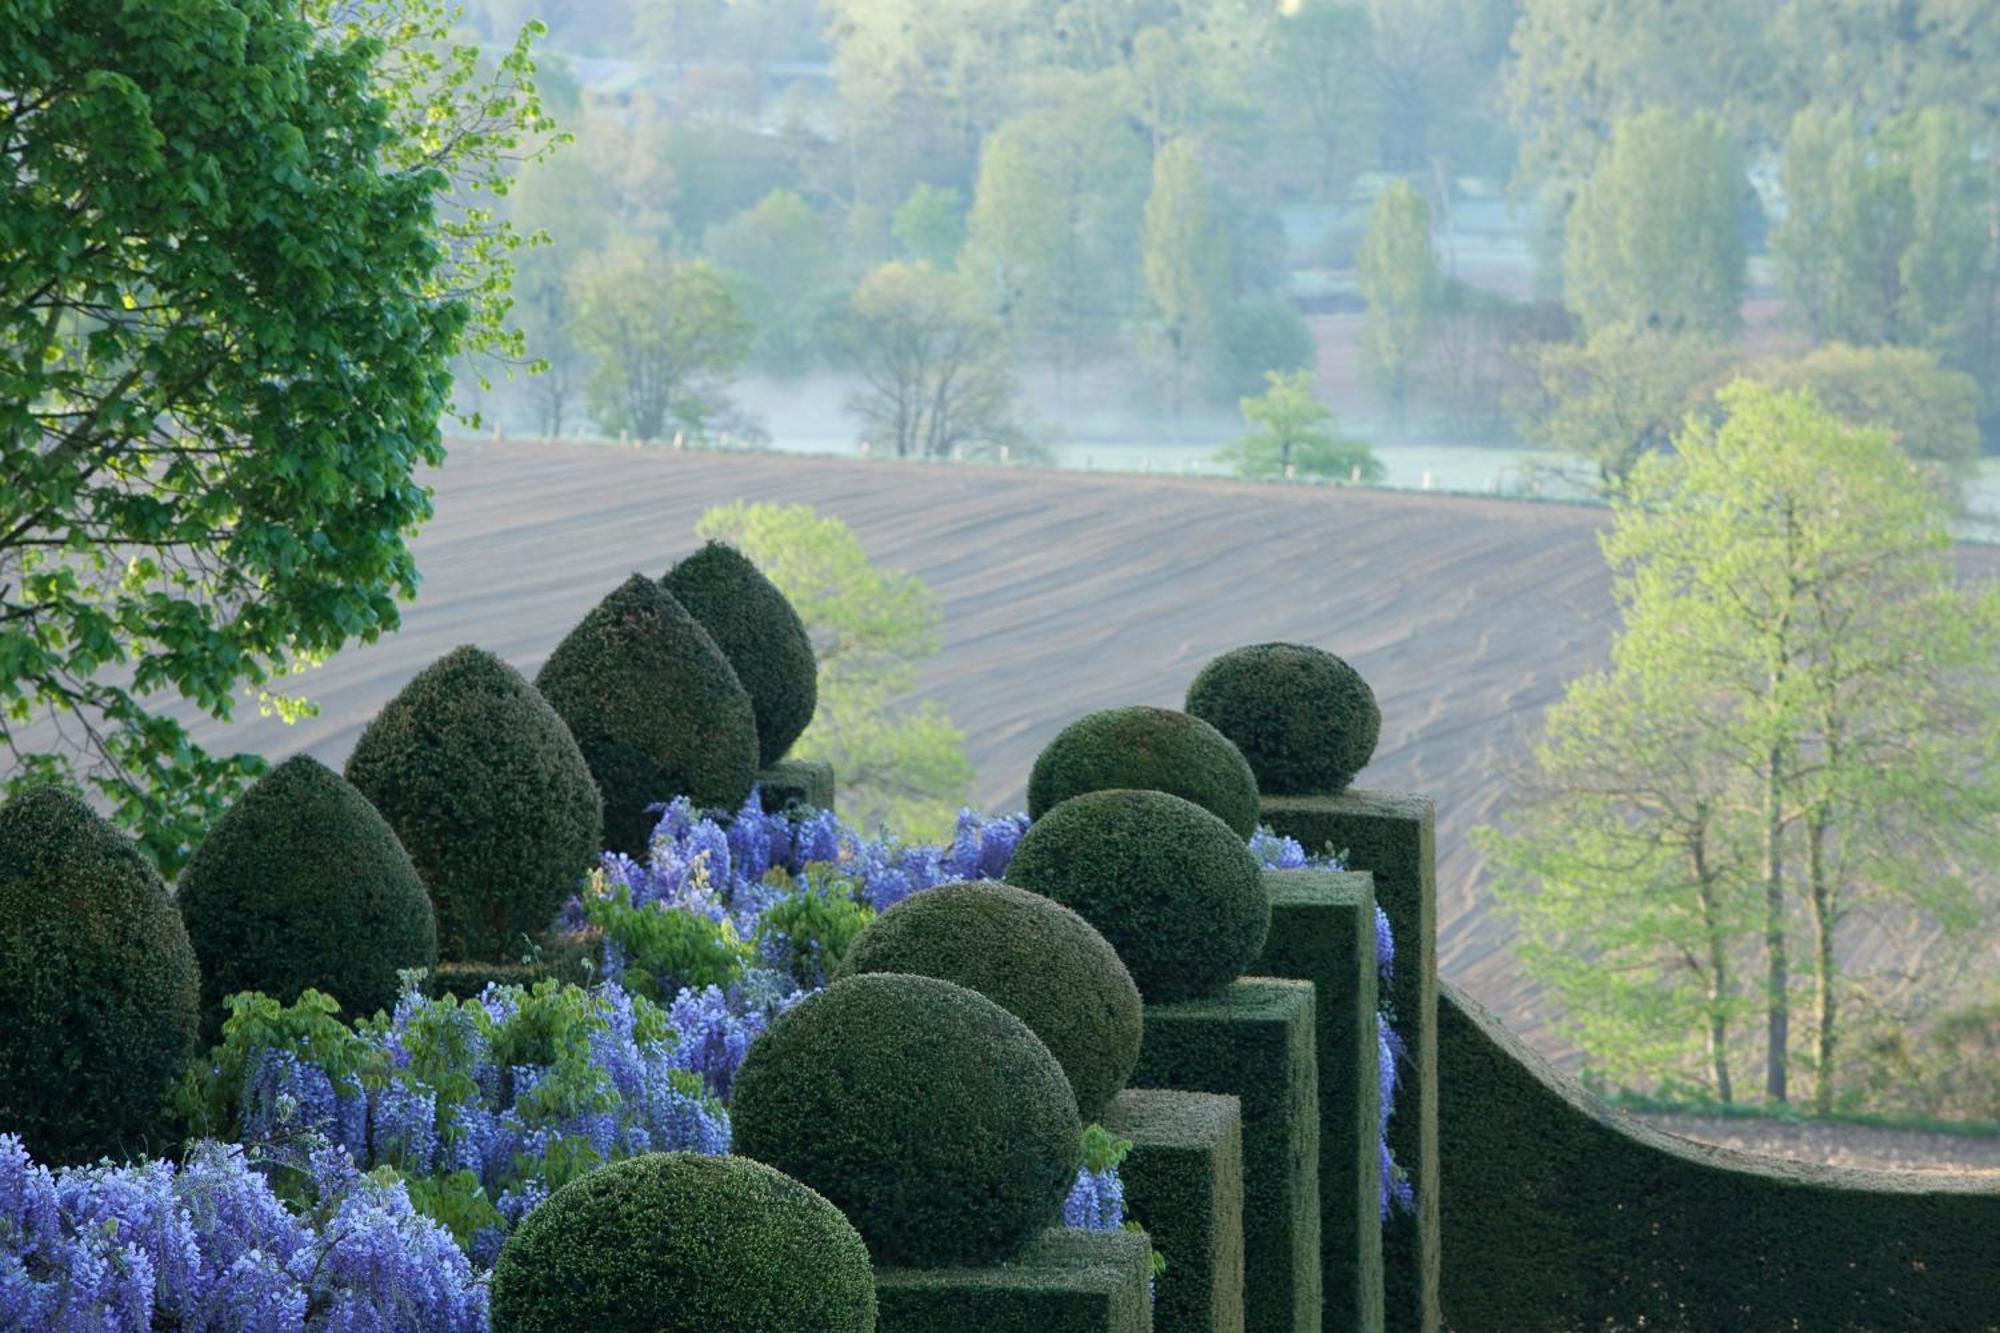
(98, 988)
(301, 886)
(655, 708)
(669, 1243)
(928, 1114)
(1305, 720)
(761, 635)
(1172, 887)
(1035, 958)
(489, 795)
(1146, 749)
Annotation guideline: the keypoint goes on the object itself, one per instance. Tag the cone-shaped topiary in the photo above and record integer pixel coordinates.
(676, 1243)
(1146, 749)
(761, 635)
(302, 884)
(1170, 885)
(1304, 719)
(655, 708)
(1033, 957)
(928, 1114)
(489, 794)
(98, 989)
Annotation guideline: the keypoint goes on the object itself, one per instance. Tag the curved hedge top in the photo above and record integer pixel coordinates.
(1305, 720)
(488, 792)
(1147, 749)
(655, 708)
(302, 884)
(928, 1114)
(761, 635)
(677, 1243)
(1032, 956)
(1171, 886)
(99, 992)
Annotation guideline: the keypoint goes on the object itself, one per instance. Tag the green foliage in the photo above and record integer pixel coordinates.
(1067, 1280)
(655, 708)
(1304, 719)
(1036, 959)
(207, 200)
(99, 991)
(488, 792)
(665, 335)
(815, 923)
(1291, 436)
(927, 1113)
(899, 766)
(1146, 748)
(665, 946)
(674, 1243)
(1185, 263)
(930, 226)
(208, 1098)
(779, 248)
(761, 635)
(1172, 887)
(301, 885)
(1397, 272)
(1257, 336)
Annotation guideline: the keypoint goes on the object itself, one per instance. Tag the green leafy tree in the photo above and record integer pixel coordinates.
(1186, 265)
(930, 226)
(1316, 48)
(560, 200)
(779, 248)
(1291, 435)
(899, 765)
(1397, 272)
(665, 335)
(243, 245)
(1257, 335)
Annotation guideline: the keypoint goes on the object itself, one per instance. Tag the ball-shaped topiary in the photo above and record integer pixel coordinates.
(489, 794)
(1146, 749)
(654, 706)
(677, 1243)
(302, 884)
(99, 993)
(761, 635)
(1030, 955)
(927, 1113)
(1304, 719)
(1171, 886)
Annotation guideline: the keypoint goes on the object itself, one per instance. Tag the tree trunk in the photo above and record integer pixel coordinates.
(1718, 981)
(1778, 981)
(1825, 1001)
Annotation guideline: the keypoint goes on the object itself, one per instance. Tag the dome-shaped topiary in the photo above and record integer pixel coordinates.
(302, 884)
(927, 1113)
(489, 794)
(676, 1243)
(655, 708)
(1304, 719)
(98, 989)
(1030, 955)
(1146, 749)
(761, 635)
(1170, 885)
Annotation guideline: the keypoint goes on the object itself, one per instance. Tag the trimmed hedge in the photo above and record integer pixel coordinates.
(1035, 958)
(1183, 1180)
(761, 635)
(302, 885)
(1146, 749)
(928, 1114)
(796, 782)
(1066, 1281)
(655, 707)
(1305, 720)
(99, 994)
(490, 796)
(1172, 887)
(678, 1243)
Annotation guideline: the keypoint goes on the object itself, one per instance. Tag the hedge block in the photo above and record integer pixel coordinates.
(1254, 1040)
(1184, 1183)
(1067, 1281)
(796, 782)
(1323, 931)
(1392, 836)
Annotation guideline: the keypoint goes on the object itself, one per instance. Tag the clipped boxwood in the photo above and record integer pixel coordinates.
(1170, 885)
(489, 794)
(98, 989)
(655, 708)
(1146, 749)
(1032, 956)
(761, 635)
(1305, 720)
(678, 1243)
(928, 1114)
(302, 884)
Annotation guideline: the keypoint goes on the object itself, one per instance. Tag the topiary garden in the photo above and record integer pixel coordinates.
(1304, 719)
(1150, 749)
